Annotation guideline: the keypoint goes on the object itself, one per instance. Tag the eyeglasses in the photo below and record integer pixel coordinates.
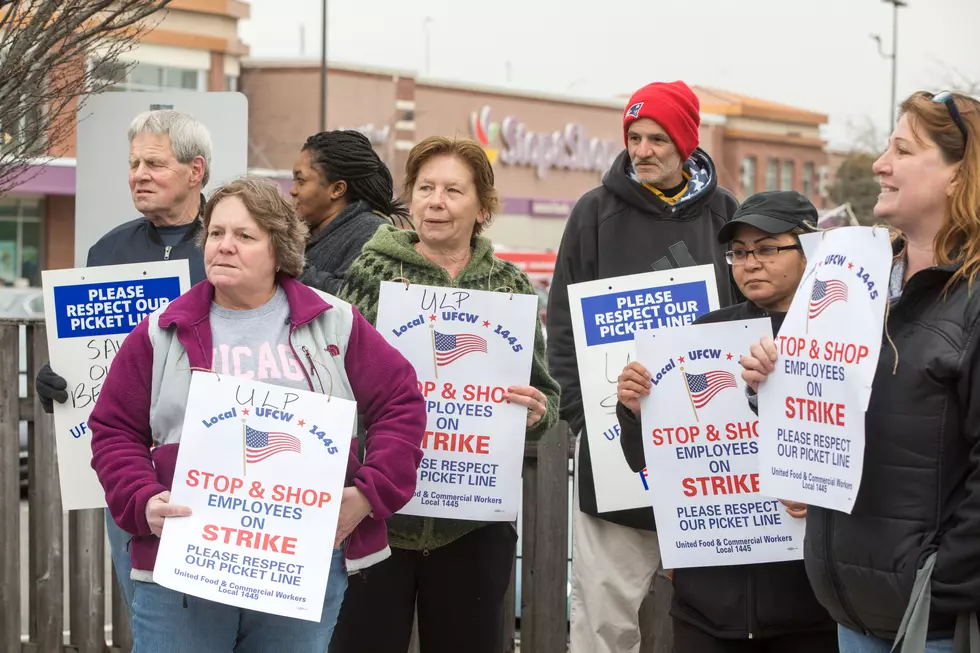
(946, 97)
(766, 253)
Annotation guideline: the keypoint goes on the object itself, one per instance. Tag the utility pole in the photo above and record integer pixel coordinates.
(323, 66)
(894, 54)
(426, 30)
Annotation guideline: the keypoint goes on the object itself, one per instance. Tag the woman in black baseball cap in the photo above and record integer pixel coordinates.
(769, 607)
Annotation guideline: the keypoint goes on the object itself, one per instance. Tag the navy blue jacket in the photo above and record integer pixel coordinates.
(137, 241)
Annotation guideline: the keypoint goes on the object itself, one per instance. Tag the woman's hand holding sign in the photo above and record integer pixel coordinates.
(159, 508)
(354, 507)
(633, 383)
(759, 363)
(532, 398)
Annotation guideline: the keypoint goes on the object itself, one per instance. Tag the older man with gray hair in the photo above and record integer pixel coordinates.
(169, 165)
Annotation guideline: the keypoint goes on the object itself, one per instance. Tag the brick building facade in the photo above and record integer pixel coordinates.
(547, 150)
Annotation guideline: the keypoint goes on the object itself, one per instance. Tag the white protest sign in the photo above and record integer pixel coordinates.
(467, 347)
(89, 312)
(811, 408)
(810, 242)
(701, 444)
(262, 467)
(605, 315)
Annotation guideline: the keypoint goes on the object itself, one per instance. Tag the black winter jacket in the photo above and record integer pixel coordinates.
(743, 601)
(618, 229)
(920, 490)
(137, 241)
(331, 250)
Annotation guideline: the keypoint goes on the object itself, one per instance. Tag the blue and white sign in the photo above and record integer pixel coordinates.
(606, 314)
(89, 312)
(616, 317)
(109, 309)
(812, 406)
(701, 444)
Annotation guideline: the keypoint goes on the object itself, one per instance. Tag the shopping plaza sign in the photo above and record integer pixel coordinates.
(569, 148)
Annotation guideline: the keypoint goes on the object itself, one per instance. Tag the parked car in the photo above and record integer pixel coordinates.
(19, 303)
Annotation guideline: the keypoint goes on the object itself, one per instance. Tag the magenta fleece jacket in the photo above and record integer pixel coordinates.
(134, 450)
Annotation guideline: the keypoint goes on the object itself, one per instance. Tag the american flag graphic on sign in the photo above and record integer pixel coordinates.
(824, 294)
(705, 386)
(260, 445)
(451, 347)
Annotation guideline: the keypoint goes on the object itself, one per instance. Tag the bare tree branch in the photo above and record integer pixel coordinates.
(865, 136)
(855, 183)
(46, 72)
(952, 78)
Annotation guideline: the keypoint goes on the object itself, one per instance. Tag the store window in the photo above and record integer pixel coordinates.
(786, 180)
(21, 127)
(231, 83)
(748, 175)
(808, 178)
(25, 130)
(772, 174)
(122, 76)
(21, 233)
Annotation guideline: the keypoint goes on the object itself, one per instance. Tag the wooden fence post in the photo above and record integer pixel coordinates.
(510, 609)
(86, 584)
(45, 521)
(544, 588)
(529, 508)
(122, 636)
(9, 488)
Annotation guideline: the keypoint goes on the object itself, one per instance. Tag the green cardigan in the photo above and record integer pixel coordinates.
(389, 255)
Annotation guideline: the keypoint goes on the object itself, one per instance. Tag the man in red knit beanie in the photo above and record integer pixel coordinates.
(659, 207)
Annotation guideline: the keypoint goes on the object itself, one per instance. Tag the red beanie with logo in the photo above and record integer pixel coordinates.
(672, 105)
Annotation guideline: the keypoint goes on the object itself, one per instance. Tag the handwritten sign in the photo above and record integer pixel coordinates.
(262, 468)
(701, 442)
(606, 314)
(89, 311)
(811, 408)
(467, 347)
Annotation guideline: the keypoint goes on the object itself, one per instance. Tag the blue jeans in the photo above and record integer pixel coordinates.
(854, 642)
(162, 623)
(119, 549)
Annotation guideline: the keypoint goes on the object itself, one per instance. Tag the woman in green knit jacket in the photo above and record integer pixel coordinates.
(456, 570)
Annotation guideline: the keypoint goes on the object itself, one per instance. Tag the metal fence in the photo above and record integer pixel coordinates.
(544, 542)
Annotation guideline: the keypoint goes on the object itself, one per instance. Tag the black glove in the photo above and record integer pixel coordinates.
(50, 388)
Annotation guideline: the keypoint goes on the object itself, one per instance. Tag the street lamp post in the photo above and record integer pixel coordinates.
(894, 54)
(323, 66)
(426, 27)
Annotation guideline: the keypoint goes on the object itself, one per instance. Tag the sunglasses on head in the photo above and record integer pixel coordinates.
(946, 97)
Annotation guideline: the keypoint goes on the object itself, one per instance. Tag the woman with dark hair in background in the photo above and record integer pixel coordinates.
(344, 192)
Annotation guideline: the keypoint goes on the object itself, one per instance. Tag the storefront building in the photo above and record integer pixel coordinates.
(547, 150)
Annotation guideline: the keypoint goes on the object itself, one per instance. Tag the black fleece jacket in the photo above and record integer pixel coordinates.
(618, 229)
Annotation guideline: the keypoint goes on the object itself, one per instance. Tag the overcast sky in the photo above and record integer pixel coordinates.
(815, 54)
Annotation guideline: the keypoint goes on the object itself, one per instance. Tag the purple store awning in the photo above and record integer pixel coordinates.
(47, 180)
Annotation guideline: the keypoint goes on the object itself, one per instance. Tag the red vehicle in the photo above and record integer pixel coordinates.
(538, 266)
